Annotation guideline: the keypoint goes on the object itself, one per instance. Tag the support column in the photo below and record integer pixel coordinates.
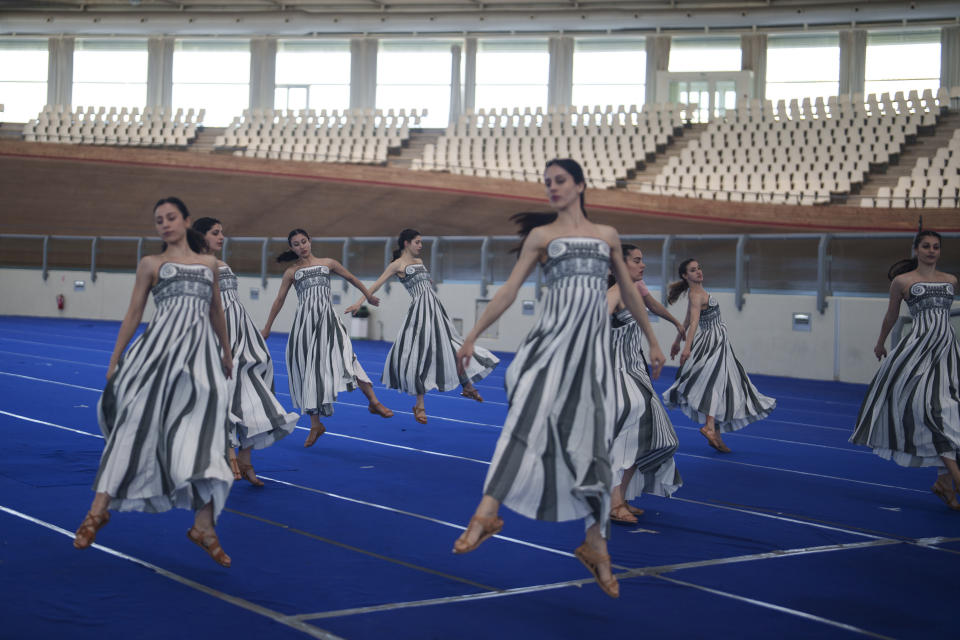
(60, 71)
(560, 83)
(160, 72)
(853, 61)
(658, 59)
(753, 57)
(455, 88)
(363, 73)
(950, 60)
(263, 72)
(470, 74)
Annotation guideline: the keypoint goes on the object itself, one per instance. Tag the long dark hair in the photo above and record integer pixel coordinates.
(405, 236)
(676, 289)
(290, 255)
(195, 239)
(203, 225)
(625, 249)
(909, 264)
(529, 220)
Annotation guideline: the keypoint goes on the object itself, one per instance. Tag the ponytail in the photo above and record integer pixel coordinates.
(909, 264)
(196, 241)
(528, 221)
(405, 236)
(677, 288)
(289, 255)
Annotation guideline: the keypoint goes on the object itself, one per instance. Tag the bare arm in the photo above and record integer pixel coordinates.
(138, 300)
(890, 317)
(278, 303)
(342, 271)
(219, 322)
(631, 298)
(613, 299)
(392, 269)
(693, 321)
(658, 309)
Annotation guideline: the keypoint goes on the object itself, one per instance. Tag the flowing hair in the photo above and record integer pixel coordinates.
(677, 288)
(909, 264)
(289, 255)
(195, 239)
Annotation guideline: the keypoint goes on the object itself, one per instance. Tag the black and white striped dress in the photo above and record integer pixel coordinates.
(552, 460)
(712, 381)
(643, 436)
(164, 411)
(423, 357)
(911, 413)
(320, 358)
(257, 417)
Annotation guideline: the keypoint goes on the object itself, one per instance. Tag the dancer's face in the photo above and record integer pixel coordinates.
(561, 188)
(928, 251)
(170, 223)
(694, 273)
(214, 238)
(635, 265)
(415, 246)
(300, 245)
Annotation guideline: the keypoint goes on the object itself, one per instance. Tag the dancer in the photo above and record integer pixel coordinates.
(423, 357)
(163, 412)
(911, 413)
(644, 440)
(552, 459)
(257, 419)
(711, 386)
(320, 358)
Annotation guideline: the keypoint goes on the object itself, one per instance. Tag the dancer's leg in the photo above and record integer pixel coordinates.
(204, 536)
(620, 511)
(374, 405)
(709, 431)
(316, 430)
(419, 411)
(246, 467)
(484, 524)
(96, 518)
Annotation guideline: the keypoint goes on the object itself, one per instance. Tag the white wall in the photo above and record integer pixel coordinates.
(841, 339)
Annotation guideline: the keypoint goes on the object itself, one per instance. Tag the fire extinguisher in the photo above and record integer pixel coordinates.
(60, 301)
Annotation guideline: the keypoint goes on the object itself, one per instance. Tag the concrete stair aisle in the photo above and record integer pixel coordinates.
(925, 146)
(653, 167)
(11, 131)
(205, 139)
(413, 149)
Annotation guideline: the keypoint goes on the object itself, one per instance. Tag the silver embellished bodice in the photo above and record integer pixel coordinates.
(623, 318)
(930, 297)
(226, 279)
(710, 317)
(416, 280)
(315, 279)
(577, 261)
(177, 281)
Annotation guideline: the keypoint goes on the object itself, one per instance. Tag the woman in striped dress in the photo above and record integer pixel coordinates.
(711, 386)
(257, 419)
(163, 412)
(911, 413)
(320, 358)
(423, 357)
(644, 440)
(552, 460)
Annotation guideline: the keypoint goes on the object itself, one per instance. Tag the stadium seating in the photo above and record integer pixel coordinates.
(129, 127)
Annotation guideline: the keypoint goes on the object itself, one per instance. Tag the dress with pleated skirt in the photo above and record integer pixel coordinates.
(552, 459)
(163, 412)
(320, 358)
(257, 419)
(423, 357)
(911, 413)
(643, 436)
(712, 382)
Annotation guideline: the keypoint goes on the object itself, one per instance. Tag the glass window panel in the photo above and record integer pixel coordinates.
(223, 102)
(212, 75)
(23, 78)
(110, 73)
(902, 62)
(609, 72)
(489, 96)
(415, 74)
(705, 54)
(311, 62)
(819, 75)
(512, 73)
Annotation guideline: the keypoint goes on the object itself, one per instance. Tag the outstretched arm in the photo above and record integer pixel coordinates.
(693, 321)
(219, 322)
(278, 303)
(138, 300)
(658, 309)
(890, 317)
(342, 271)
(388, 273)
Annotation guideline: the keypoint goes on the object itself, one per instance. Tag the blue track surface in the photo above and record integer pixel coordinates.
(796, 534)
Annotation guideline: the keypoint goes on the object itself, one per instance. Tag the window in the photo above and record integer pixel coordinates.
(415, 74)
(212, 75)
(902, 62)
(23, 78)
(705, 54)
(110, 73)
(609, 71)
(512, 73)
(802, 66)
(313, 74)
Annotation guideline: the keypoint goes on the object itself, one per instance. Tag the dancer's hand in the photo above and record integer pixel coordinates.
(656, 362)
(374, 300)
(227, 361)
(681, 332)
(675, 349)
(265, 333)
(880, 351)
(464, 354)
(352, 309)
(684, 356)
